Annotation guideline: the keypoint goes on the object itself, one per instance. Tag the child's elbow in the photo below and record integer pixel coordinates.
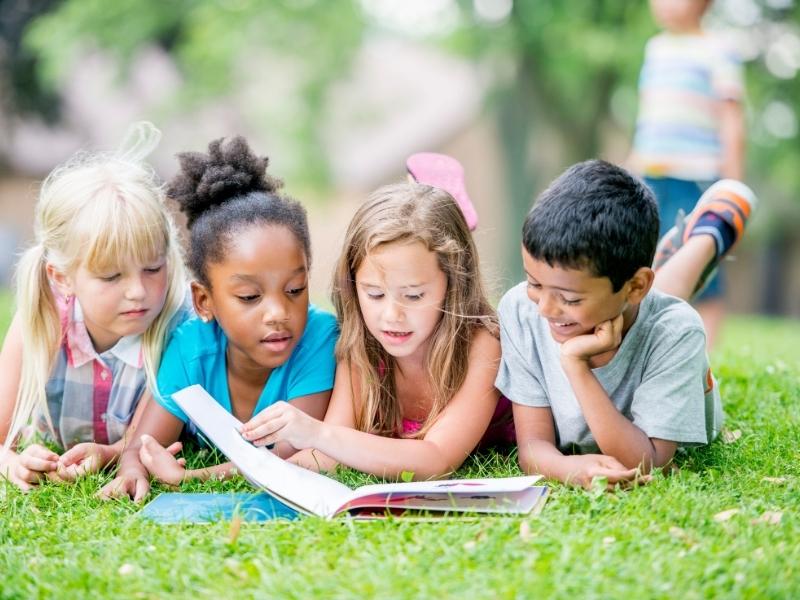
(527, 463)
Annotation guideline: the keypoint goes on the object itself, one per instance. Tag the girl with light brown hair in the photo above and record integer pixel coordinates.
(418, 351)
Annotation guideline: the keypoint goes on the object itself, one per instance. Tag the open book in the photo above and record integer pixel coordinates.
(312, 493)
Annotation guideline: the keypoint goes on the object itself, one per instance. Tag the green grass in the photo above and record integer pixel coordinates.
(658, 541)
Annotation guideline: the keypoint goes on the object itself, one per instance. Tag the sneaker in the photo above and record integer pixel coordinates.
(730, 200)
(446, 173)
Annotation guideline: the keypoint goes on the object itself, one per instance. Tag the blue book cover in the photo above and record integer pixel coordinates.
(209, 508)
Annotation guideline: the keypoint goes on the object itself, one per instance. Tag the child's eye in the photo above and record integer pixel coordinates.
(249, 298)
(571, 302)
(296, 291)
(110, 278)
(154, 269)
(374, 295)
(535, 286)
(414, 297)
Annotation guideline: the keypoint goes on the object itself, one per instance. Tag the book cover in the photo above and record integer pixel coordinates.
(209, 508)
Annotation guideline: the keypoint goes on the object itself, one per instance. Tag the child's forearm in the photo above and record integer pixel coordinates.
(313, 460)
(615, 435)
(113, 452)
(382, 456)
(540, 457)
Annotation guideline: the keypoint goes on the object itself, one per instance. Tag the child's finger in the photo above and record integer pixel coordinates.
(264, 416)
(182, 462)
(146, 456)
(616, 476)
(34, 463)
(75, 455)
(27, 475)
(40, 452)
(174, 448)
(22, 484)
(263, 430)
(142, 486)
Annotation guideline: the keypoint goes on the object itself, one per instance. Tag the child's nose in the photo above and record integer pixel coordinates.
(548, 307)
(393, 311)
(274, 310)
(136, 289)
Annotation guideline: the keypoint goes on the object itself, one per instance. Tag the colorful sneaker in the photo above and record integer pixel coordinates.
(444, 172)
(729, 200)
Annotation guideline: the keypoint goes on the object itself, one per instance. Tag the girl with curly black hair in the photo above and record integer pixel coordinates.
(256, 340)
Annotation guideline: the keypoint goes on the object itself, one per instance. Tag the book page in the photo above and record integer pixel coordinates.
(519, 502)
(296, 486)
(502, 494)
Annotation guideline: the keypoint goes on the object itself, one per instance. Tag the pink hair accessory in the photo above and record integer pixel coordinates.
(446, 173)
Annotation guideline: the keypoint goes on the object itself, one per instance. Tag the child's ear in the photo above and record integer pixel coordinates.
(201, 299)
(61, 281)
(640, 284)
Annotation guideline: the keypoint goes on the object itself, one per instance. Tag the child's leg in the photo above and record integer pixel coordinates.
(691, 251)
(444, 172)
(680, 274)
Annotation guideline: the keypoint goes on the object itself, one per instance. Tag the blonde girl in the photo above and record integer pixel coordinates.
(96, 295)
(418, 352)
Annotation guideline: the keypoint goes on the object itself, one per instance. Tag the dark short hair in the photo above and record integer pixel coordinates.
(225, 191)
(594, 216)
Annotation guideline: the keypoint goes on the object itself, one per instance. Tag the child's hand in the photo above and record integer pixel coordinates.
(282, 422)
(161, 462)
(607, 336)
(30, 466)
(83, 459)
(585, 468)
(132, 481)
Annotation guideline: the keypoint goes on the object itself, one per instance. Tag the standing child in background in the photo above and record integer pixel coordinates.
(418, 351)
(608, 375)
(97, 294)
(690, 128)
(256, 340)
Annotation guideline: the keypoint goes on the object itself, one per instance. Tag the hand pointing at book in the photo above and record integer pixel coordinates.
(282, 422)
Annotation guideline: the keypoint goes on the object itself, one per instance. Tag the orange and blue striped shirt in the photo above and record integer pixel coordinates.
(683, 81)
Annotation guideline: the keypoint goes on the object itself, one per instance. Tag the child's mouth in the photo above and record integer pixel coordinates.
(396, 337)
(561, 327)
(277, 342)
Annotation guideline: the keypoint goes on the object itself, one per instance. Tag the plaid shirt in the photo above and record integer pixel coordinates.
(91, 396)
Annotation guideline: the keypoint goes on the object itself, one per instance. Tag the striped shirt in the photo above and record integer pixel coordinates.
(683, 80)
(91, 397)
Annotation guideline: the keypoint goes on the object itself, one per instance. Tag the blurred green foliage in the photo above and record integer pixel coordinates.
(564, 67)
(216, 44)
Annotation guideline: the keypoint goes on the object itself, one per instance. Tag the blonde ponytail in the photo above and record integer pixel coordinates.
(42, 337)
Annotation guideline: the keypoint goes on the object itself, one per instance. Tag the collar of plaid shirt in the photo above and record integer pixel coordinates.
(80, 349)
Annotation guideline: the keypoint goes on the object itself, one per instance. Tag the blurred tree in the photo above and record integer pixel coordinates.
(568, 71)
(216, 44)
(561, 63)
(23, 91)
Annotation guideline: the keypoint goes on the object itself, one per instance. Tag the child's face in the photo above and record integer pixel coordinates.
(121, 302)
(401, 292)
(573, 301)
(258, 295)
(678, 15)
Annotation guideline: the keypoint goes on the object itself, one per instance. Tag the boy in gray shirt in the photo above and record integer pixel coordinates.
(608, 375)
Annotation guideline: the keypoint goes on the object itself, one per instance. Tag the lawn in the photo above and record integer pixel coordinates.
(726, 525)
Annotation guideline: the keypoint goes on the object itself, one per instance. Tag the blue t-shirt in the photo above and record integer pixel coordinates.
(196, 354)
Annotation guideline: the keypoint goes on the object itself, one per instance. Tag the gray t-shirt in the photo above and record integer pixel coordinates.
(659, 378)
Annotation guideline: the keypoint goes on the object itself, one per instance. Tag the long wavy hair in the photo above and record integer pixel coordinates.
(405, 213)
(102, 211)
